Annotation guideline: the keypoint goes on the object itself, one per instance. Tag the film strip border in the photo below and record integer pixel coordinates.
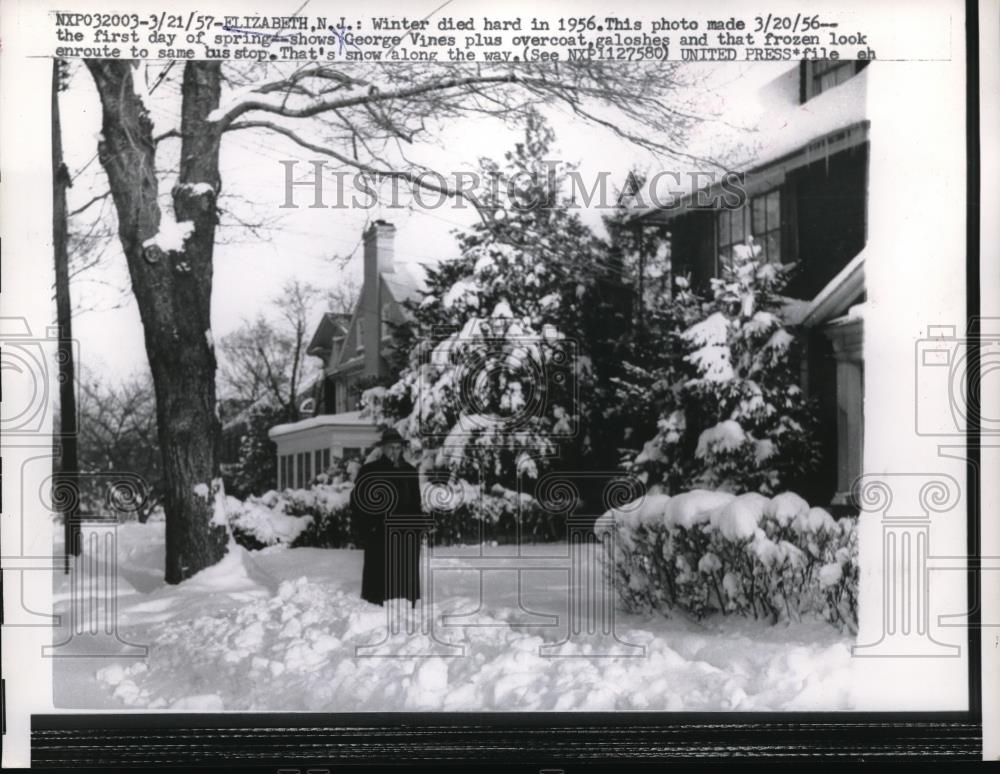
(294, 743)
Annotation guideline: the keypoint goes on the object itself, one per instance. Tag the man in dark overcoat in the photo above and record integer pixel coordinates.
(387, 491)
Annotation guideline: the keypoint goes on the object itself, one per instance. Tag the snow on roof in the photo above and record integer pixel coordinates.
(330, 326)
(838, 294)
(268, 400)
(346, 365)
(343, 419)
(763, 125)
(783, 125)
(406, 282)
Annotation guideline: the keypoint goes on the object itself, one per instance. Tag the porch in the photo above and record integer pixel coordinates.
(308, 447)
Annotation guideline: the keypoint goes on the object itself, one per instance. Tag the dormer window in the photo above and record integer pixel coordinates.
(819, 75)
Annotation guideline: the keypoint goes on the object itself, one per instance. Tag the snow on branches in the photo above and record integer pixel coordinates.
(732, 415)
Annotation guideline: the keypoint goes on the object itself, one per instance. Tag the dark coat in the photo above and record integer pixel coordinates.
(393, 570)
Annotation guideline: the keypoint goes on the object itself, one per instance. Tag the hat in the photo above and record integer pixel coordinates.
(391, 436)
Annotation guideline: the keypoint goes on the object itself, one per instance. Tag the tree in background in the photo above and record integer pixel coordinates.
(118, 433)
(266, 374)
(256, 469)
(264, 361)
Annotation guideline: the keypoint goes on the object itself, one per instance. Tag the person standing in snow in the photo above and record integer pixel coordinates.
(388, 487)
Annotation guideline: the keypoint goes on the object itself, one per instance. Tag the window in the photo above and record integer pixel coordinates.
(386, 320)
(818, 75)
(307, 478)
(300, 466)
(732, 228)
(318, 462)
(282, 470)
(352, 395)
(762, 219)
(766, 225)
(326, 459)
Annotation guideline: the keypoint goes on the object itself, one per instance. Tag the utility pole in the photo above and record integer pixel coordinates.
(68, 462)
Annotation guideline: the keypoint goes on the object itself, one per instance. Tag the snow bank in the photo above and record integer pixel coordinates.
(294, 648)
(695, 507)
(236, 571)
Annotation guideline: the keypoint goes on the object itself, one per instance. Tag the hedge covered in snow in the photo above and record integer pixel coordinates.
(321, 516)
(499, 515)
(318, 516)
(702, 551)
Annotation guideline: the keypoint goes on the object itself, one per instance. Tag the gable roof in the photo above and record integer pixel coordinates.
(331, 325)
(405, 282)
(783, 125)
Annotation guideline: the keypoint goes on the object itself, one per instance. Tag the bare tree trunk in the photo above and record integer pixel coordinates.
(68, 461)
(173, 289)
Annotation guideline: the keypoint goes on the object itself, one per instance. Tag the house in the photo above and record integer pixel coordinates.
(805, 173)
(356, 352)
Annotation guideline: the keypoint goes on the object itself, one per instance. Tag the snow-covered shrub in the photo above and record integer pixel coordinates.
(295, 517)
(702, 551)
(255, 524)
(327, 505)
(321, 517)
(500, 515)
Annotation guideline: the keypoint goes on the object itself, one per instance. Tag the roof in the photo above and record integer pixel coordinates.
(405, 282)
(343, 419)
(331, 325)
(782, 124)
(839, 294)
(304, 392)
(350, 364)
(767, 125)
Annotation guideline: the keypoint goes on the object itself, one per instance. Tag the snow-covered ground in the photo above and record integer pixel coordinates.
(280, 629)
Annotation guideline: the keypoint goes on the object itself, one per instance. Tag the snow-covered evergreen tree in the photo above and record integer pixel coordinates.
(730, 412)
(500, 372)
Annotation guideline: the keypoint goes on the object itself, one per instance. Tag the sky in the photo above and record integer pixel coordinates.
(298, 243)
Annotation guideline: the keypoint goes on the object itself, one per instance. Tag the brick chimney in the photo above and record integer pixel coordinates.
(379, 259)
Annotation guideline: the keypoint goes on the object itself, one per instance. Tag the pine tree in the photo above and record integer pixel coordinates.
(730, 412)
(505, 373)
